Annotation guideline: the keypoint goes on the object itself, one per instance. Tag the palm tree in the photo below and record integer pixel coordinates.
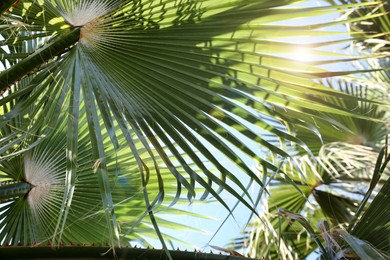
(110, 110)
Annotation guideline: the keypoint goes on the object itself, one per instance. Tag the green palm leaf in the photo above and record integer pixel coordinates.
(165, 67)
(162, 85)
(374, 225)
(45, 167)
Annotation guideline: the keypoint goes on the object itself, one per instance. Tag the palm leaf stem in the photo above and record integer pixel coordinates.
(24, 67)
(13, 190)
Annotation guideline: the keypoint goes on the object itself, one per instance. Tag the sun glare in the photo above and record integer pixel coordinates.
(302, 54)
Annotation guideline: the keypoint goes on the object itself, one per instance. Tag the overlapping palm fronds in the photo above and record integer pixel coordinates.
(316, 195)
(40, 215)
(331, 185)
(365, 236)
(176, 83)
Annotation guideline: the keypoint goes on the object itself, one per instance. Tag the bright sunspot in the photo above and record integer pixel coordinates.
(302, 54)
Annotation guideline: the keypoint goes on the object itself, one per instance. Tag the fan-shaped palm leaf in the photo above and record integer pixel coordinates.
(35, 215)
(174, 79)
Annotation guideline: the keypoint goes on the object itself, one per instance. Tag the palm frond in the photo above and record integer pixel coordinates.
(173, 77)
(373, 226)
(45, 165)
(163, 85)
